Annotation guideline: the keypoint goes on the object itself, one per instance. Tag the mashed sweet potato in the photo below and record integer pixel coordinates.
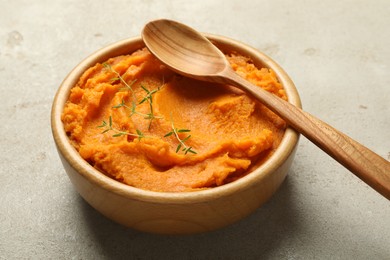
(122, 129)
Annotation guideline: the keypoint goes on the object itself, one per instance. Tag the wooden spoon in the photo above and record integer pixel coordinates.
(189, 53)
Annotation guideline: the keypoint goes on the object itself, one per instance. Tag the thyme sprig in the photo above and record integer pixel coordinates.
(148, 98)
(181, 146)
(120, 78)
(109, 127)
(134, 111)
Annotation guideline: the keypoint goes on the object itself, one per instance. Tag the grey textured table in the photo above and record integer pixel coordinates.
(337, 53)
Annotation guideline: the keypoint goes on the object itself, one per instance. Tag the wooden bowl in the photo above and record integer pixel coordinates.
(173, 213)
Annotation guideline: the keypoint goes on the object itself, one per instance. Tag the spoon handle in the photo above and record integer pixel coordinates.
(364, 163)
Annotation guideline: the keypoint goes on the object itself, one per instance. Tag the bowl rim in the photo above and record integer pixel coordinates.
(69, 153)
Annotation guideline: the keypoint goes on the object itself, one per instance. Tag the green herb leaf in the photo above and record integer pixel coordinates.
(122, 104)
(146, 90)
(142, 101)
(183, 130)
(168, 134)
(189, 150)
(140, 134)
(185, 139)
(178, 148)
(104, 124)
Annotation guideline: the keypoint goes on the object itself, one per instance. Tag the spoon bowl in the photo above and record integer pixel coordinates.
(189, 53)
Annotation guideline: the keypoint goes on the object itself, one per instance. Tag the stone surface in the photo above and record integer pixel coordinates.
(337, 53)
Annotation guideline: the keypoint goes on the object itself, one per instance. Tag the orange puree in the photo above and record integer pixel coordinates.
(230, 132)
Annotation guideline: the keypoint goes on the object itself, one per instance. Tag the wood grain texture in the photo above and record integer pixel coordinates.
(191, 54)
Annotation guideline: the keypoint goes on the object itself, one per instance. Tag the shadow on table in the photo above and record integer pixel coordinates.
(259, 235)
